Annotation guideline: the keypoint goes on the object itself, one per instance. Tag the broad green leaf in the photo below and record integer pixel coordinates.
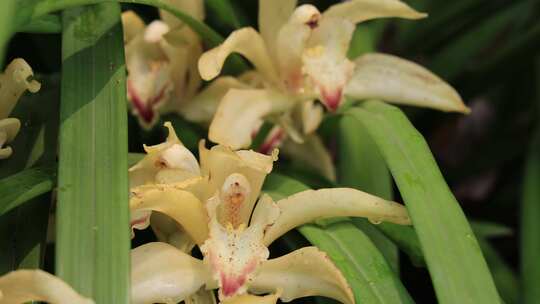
(92, 250)
(26, 185)
(455, 261)
(530, 226)
(365, 268)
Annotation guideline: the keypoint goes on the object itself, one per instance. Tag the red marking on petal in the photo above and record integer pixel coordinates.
(144, 110)
(272, 142)
(331, 99)
(230, 284)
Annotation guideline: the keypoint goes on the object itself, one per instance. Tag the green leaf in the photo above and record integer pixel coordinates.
(530, 226)
(365, 268)
(93, 243)
(30, 10)
(503, 275)
(7, 10)
(362, 167)
(455, 262)
(23, 229)
(224, 12)
(26, 185)
(47, 24)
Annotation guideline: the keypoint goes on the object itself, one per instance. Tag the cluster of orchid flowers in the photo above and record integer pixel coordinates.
(300, 71)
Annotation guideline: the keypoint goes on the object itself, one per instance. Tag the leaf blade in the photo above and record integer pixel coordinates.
(92, 251)
(459, 272)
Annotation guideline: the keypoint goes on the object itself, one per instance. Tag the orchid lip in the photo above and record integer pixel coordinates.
(332, 99)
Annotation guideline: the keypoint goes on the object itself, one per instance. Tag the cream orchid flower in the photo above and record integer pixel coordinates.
(300, 55)
(219, 211)
(15, 80)
(161, 60)
(22, 286)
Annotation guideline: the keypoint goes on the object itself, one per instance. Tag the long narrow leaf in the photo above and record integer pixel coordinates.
(92, 251)
(362, 167)
(26, 185)
(530, 226)
(366, 269)
(457, 267)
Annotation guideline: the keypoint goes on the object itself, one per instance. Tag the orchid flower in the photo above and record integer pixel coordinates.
(22, 286)
(300, 56)
(15, 80)
(219, 206)
(161, 60)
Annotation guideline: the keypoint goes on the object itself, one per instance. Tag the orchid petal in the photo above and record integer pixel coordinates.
(357, 11)
(239, 113)
(23, 286)
(194, 8)
(302, 273)
(204, 105)
(248, 43)
(9, 127)
(272, 16)
(220, 162)
(13, 83)
(161, 273)
(310, 205)
(312, 114)
(251, 299)
(313, 153)
(183, 48)
(132, 25)
(400, 81)
(290, 42)
(167, 162)
(234, 253)
(325, 60)
(182, 206)
(167, 230)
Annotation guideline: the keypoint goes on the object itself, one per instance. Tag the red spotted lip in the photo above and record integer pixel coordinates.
(230, 284)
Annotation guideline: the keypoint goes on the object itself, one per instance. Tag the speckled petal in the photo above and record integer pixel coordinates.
(235, 253)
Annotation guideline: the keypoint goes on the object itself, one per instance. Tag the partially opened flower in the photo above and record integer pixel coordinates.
(300, 56)
(15, 80)
(22, 286)
(161, 60)
(220, 213)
